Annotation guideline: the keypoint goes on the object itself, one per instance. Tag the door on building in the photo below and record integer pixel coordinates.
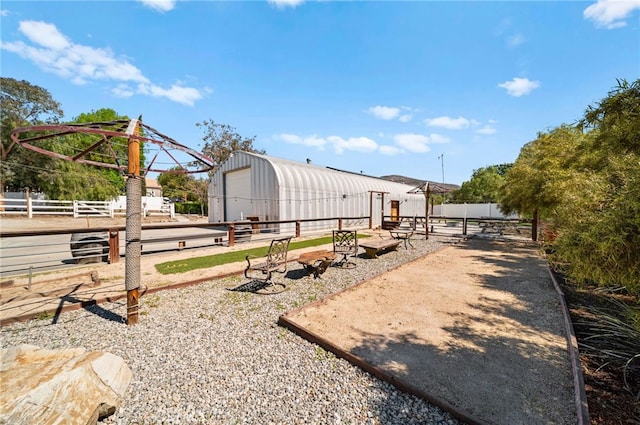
(377, 208)
(395, 210)
(237, 195)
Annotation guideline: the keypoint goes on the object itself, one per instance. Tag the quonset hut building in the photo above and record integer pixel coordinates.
(264, 188)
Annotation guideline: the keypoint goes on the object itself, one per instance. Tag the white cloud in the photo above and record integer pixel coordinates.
(289, 138)
(438, 138)
(358, 144)
(413, 142)
(519, 86)
(503, 26)
(53, 52)
(448, 122)
(313, 141)
(44, 34)
(159, 5)
(122, 90)
(610, 13)
(281, 4)
(389, 150)
(505, 29)
(4, 12)
(384, 112)
(487, 130)
(407, 142)
(339, 144)
(177, 93)
(405, 118)
(515, 40)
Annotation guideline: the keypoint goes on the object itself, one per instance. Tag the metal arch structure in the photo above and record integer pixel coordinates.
(428, 189)
(106, 131)
(135, 133)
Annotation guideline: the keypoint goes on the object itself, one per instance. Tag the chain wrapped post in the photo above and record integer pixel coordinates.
(133, 226)
(103, 135)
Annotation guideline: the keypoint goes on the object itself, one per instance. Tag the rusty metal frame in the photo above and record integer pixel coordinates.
(109, 130)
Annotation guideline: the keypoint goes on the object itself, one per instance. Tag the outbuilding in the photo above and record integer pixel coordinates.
(259, 187)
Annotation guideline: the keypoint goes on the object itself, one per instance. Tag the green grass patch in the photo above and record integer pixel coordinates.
(188, 264)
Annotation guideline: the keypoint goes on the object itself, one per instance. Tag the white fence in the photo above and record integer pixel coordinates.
(470, 211)
(30, 207)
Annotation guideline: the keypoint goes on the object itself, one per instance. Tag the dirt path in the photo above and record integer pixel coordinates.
(477, 326)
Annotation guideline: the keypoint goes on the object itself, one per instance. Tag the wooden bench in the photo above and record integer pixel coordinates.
(375, 246)
(316, 262)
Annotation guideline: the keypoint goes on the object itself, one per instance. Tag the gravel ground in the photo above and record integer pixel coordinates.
(204, 354)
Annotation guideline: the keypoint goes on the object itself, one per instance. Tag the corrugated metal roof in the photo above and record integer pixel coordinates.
(282, 189)
(295, 174)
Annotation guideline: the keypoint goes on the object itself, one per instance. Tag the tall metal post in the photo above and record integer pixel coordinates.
(133, 224)
(427, 194)
(370, 210)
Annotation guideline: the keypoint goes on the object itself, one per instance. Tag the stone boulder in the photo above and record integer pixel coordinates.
(68, 386)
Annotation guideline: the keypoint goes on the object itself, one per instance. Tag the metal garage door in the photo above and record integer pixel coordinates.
(237, 189)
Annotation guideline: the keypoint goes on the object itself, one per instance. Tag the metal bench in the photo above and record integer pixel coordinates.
(261, 269)
(345, 243)
(375, 246)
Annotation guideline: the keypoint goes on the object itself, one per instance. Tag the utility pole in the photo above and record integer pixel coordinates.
(441, 158)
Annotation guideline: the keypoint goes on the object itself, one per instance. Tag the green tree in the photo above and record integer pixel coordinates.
(220, 140)
(23, 104)
(485, 185)
(617, 120)
(542, 173)
(70, 180)
(177, 184)
(600, 221)
(201, 193)
(584, 180)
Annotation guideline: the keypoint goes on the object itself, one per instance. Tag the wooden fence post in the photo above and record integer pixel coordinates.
(114, 246)
(297, 228)
(232, 234)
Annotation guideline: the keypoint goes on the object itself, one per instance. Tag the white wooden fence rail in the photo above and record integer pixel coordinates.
(31, 207)
(488, 210)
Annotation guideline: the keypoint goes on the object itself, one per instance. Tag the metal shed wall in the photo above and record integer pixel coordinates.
(264, 188)
(288, 190)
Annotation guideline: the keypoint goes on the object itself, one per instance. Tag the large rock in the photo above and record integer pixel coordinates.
(69, 386)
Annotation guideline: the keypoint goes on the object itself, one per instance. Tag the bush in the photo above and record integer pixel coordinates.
(191, 208)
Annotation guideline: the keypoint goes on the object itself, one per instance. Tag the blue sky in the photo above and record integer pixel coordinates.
(381, 88)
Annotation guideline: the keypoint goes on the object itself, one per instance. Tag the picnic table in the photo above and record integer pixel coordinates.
(316, 262)
(402, 235)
